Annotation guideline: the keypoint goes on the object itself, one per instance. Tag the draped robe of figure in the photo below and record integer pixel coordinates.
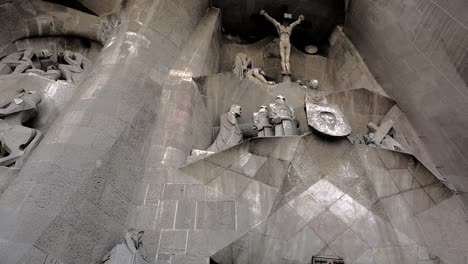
(229, 133)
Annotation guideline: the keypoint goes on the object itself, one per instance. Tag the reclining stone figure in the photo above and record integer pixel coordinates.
(76, 63)
(16, 140)
(257, 75)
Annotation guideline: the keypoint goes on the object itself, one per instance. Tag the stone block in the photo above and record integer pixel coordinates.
(143, 217)
(305, 244)
(401, 217)
(229, 184)
(167, 214)
(248, 165)
(194, 192)
(273, 172)
(190, 260)
(173, 242)
(254, 204)
(348, 210)
(438, 192)
(325, 192)
(203, 171)
(378, 233)
(284, 224)
(185, 215)
(328, 226)
(306, 206)
(383, 182)
(349, 246)
(208, 242)
(404, 180)
(173, 191)
(264, 249)
(216, 215)
(418, 200)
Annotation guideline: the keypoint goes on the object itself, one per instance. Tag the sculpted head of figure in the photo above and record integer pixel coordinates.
(134, 237)
(329, 119)
(314, 84)
(263, 108)
(44, 53)
(280, 99)
(236, 110)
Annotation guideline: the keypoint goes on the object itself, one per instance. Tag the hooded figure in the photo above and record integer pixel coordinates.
(242, 64)
(229, 133)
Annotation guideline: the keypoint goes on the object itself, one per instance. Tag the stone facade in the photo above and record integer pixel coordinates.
(113, 156)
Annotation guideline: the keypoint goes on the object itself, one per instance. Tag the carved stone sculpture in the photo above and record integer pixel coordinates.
(323, 117)
(282, 117)
(76, 63)
(17, 62)
(16, 140)
(284, 32)
(379, 137)
(262, 122)
(128, 252)
(229, 133)
(242, 64)
(45, 64)
(257, 75)
(52, 72)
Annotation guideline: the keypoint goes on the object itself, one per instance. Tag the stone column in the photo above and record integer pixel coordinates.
(182, 124)
(71, 200)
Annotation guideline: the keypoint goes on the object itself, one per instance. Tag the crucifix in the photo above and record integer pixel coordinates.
(284, 31)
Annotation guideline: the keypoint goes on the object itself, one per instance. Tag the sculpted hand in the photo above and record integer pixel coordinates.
(301, 17)
(262, 12)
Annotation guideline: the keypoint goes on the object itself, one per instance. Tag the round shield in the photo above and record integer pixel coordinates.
(327, 119)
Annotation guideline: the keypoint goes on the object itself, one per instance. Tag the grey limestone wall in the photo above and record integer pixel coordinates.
(346, 68)
(417, 51)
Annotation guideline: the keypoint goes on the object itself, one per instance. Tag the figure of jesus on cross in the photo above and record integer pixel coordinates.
(284, 32)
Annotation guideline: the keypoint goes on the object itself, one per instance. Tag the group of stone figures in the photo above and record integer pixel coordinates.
(17, 140)
(42, 62)
(276, 120)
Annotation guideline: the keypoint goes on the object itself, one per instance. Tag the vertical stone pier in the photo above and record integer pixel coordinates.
(71, 200)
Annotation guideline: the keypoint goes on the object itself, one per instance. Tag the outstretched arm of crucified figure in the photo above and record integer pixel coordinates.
(297, 22)
(269, 18)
